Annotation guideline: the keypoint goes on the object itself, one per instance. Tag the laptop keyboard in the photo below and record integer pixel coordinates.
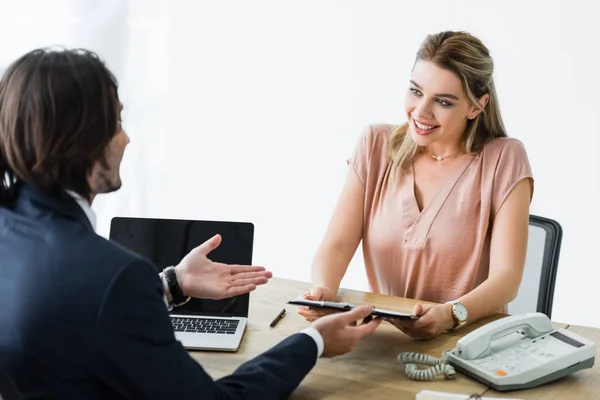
(202, 325)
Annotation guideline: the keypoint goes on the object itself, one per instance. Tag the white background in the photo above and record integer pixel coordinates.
(247, 110)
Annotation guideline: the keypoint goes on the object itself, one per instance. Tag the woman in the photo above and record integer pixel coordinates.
(440, 203)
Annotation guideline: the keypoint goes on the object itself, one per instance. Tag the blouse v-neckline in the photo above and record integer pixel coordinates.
(418, 222)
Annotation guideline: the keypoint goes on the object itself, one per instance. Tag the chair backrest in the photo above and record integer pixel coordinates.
(536, 292)
(8, 390)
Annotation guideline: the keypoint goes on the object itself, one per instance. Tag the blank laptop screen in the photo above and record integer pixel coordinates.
(165, 242)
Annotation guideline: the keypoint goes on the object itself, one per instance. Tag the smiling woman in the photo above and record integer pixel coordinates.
(451, 86)
(441, 203)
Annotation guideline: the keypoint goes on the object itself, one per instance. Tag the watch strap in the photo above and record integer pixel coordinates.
(176, 293)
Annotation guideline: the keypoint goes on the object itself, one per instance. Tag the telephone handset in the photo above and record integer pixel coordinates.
(477, 343)
(515, 352)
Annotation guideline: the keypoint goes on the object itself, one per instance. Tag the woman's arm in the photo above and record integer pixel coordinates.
(342, 236)
(510, 232)
(508, 249)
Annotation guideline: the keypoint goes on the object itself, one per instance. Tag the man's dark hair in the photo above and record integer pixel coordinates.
(59, 110)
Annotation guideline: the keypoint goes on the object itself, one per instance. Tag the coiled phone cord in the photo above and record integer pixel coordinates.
(437, 366)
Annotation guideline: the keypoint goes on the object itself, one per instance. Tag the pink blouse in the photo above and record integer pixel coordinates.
(442, 252)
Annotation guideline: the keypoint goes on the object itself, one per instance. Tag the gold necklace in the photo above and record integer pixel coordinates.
(440, 158)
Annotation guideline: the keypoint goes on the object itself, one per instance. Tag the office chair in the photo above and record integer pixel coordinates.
(536, 292)
(8, 390)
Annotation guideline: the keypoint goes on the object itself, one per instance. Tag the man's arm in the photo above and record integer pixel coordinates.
(137, 355)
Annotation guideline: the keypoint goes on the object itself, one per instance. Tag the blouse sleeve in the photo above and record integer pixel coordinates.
(359, 160)
(370, 151)
(513, 166)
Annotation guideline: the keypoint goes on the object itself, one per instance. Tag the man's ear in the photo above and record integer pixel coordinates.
(474, 111)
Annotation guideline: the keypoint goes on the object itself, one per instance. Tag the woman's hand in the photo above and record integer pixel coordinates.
(316, 293)
(434, 320)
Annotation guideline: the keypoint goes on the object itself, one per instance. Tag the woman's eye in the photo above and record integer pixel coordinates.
(416, 92)
(444, 103)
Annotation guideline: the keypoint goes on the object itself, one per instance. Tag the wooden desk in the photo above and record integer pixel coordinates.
(371, 371)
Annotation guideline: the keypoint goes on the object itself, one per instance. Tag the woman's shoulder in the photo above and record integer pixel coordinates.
(503, 145)
(376, 135)
(370, 153)
(381, 131)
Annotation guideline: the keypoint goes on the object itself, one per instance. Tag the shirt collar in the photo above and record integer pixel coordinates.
(85, 206)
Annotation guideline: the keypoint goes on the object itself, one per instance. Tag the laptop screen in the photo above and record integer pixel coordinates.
(166, 241)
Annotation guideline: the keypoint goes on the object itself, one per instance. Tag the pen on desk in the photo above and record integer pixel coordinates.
(277, 318)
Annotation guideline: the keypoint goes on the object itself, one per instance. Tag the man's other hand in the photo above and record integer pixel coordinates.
(202, 278)
(340, 331)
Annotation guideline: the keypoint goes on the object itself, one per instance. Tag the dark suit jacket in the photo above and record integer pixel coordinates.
(83, 318)
(8, 391)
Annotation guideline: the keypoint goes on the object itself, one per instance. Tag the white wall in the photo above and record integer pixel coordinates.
(247, 111)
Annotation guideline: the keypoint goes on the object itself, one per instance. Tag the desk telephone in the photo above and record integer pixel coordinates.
(516, 352)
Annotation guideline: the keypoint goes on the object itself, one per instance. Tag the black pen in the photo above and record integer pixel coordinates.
(277, 318)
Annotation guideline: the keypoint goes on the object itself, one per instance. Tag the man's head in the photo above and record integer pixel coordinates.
(60, 124)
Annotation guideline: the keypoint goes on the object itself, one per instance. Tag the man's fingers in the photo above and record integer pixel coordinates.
(252, 275)
(365, 330)
(356, 314)
(209, 245)
(235, 269)
(259, 280)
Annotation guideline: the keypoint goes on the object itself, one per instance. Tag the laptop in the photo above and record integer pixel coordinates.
(200, 324)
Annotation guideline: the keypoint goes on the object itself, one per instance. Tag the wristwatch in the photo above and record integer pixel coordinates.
(459, 313)
(178, 298)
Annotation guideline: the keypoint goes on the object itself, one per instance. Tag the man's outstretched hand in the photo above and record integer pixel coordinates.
(202, 278)
(340, 331)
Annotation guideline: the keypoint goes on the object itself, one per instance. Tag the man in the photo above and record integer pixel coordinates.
(81, 317)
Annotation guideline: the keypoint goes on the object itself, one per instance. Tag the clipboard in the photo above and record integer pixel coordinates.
(337, 306)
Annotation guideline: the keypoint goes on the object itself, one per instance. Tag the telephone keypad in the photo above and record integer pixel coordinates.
(516, 359)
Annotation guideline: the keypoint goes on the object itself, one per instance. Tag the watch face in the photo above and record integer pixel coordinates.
(460, 311)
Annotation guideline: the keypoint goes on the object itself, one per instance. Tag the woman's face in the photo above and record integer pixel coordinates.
(436, 106)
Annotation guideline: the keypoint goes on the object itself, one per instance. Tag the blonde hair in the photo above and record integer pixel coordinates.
(470, 60)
